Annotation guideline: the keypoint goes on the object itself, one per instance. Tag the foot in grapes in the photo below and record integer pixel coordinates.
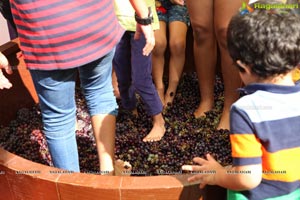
(122, 168)
(156, 133)
(224, 121)
(202, 108)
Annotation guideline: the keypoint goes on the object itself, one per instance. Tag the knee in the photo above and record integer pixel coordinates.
(221, 34)
(201, 33)
(177, 47)
(160, 47)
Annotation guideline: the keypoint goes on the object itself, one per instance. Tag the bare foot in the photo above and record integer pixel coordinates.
(156, 133)
(122, 168)
(202, 108)
(224, 121)
(169, 97)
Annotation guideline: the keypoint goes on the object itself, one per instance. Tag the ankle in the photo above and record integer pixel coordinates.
(158, 120)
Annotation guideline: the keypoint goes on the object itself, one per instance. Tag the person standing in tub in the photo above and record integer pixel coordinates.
(59, 39)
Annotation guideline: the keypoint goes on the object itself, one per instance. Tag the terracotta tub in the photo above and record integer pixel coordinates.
(24, 179)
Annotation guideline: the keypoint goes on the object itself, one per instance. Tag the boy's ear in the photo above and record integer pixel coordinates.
(245, 68)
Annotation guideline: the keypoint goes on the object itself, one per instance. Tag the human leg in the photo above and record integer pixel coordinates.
(115, 84)
(158, 59)
(97, 87)
(122, 67)
(201, 16)
(178, 25)
(104, 127)
(223, 13)
(158, 129)
(142, 82)
(56, 92)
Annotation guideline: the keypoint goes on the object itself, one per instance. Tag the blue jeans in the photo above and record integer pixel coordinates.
(56, 92)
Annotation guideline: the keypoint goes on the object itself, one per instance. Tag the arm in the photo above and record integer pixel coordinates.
(4, 82)
(246, 153)
(235, 178)
(141, 10)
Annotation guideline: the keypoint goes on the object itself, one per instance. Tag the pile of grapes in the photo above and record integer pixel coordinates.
(185, 137)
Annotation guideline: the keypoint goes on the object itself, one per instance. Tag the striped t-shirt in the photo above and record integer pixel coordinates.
(61, 34)
(265, 129)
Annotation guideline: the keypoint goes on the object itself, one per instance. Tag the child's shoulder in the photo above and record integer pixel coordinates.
(269, 102)
(255, 97)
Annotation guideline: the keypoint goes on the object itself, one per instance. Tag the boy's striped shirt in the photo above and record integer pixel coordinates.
(266, 130)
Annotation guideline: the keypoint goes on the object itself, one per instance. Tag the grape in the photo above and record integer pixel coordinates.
(185, 137)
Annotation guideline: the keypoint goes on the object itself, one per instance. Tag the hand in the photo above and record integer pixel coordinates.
(4, 82)
(178, 2)
(207, 170)
(149, 36)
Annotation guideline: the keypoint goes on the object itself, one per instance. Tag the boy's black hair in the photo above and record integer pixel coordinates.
(266, 40)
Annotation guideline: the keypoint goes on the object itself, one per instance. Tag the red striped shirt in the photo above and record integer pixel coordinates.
(61, 34)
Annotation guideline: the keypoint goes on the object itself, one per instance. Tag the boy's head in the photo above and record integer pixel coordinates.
(268, 41)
